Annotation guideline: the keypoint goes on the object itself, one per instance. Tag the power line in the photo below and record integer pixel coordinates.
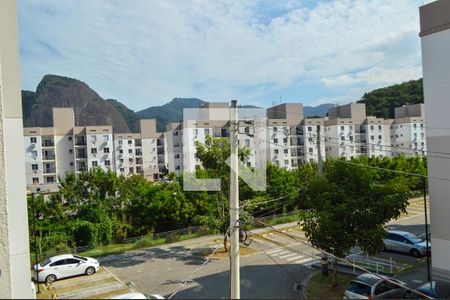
(188, 278)
(346, 261)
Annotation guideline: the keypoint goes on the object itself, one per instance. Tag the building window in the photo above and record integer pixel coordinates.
(34, 167)
(121, 160)
(33, 140)
(35, 180)
(106, 138)
(94, 151)
(247, 130)
(105, 150)
(70, 150)
(249, 164)
(93, 139)
(70, 138)
(107, 163)
(379, 127)
(130, 160)
(177, 155)
(94, 163)
(342, 138)
(71, 163)
(310, 150)
(120, 151)
(275, 129)
(286, 151)
(175, 132)
(286, 162)
(372, 137)
(130, 151)
(275, 151)
(120, 142)
(247, 142)
(379, 137)
(130, 142)
(371, 127)
(415, 125)
(342, 127)
(131, 170)
(177, 167)
(275, 141)
(207, 131)
(285, 140)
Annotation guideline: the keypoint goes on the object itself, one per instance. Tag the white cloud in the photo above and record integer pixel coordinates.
(146, 52)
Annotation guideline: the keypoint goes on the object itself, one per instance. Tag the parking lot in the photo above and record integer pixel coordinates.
(102, 284)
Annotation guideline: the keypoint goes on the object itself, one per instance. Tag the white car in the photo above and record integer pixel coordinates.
(137, 295)
(65, 265)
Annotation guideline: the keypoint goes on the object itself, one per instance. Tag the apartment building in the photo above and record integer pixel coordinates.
(435, 38)
(51, 152)
(373, 138)
(408, 130)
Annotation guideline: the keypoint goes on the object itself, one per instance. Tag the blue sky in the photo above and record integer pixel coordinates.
(145, 53)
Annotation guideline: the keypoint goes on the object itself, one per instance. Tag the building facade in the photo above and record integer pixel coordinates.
(435, 37)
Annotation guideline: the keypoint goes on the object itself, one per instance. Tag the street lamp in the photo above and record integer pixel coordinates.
(33, 205)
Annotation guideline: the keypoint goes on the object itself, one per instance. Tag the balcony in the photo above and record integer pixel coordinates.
(50, 170)
(48, 143)
(48, 157)
(138, 143)
(81, 169)
(139, 161)
(80, 142)
(138, 152)
(81, 156)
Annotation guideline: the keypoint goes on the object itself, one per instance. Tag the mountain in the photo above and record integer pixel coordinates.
(169, 112)
(382, 102)
(59, 91)
(129, 115)
(320, 110)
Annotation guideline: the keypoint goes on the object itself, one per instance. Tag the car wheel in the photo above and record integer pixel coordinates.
(90, 271)
(50, 278)
(415, 253)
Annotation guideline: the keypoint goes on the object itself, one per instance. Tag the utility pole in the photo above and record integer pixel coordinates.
(234, 204)
(319, 154)
(324, 260)
(426, 226)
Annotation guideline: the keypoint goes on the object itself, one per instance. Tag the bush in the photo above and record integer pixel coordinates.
(172, 237)
(144, 242)
(85, 233)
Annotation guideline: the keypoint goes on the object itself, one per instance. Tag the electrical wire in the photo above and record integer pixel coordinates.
(346, 261)
(188, 278)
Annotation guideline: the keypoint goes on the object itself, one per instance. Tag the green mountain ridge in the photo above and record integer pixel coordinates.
(91, 109)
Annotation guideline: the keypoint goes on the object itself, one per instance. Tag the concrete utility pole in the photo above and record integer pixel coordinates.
(319, 154)
(234, 204)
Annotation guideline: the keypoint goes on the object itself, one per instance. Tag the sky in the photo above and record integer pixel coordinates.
(260, 52)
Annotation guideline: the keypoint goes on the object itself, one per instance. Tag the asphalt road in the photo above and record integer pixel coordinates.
(276, 265)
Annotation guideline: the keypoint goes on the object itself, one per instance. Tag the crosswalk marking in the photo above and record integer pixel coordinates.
(288, 255)
(308, 259)
(281, 253)
(297, 257)
(274, 251)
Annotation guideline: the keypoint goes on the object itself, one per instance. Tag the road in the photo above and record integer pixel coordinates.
(274, 264)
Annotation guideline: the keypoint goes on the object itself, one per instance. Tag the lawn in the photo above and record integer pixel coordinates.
(319, 286)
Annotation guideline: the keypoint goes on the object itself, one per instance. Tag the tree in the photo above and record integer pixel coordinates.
(349, 207)
(214, 155)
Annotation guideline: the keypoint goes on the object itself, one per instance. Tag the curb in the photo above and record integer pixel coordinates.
(305, 282)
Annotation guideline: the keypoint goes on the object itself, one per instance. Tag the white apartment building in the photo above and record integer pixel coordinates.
(341, 138)
(373, 138)
(312, 130)
(51, 152)
(408, 131)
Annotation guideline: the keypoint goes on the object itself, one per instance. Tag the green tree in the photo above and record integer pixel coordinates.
(349, 207)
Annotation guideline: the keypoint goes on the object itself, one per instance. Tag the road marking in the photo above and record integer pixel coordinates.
(308, 259)
(288, 255)
(295, 258)
(274, 251)
(281, 253)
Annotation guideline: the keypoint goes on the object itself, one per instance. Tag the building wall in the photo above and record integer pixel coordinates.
(14, 245)
(435, 32)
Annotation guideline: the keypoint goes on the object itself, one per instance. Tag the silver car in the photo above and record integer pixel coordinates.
(406, 242)
(369, 286)
(62, 266)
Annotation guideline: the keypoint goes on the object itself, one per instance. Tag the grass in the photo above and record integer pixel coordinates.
(319, 286)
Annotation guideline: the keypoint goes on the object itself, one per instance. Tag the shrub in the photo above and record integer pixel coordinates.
(172, 237)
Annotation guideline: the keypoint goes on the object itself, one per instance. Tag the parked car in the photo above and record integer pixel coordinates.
(406, 242)
(137, 295)
(369, 286)
(65, 265)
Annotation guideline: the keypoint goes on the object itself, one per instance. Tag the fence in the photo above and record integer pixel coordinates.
(134, 243)
(275, 219)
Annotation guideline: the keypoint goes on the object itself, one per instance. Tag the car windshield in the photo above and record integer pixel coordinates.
(80, 257)
(359, 288)
(45, 262)
(413, 238)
